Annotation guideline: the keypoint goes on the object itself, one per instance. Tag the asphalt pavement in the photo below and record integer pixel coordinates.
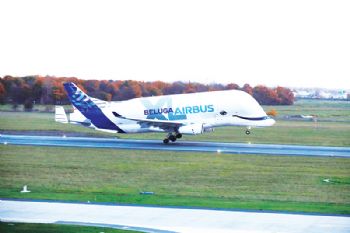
(164, 220)
(180, 146)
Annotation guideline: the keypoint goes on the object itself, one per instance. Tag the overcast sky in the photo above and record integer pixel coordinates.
(289, 43)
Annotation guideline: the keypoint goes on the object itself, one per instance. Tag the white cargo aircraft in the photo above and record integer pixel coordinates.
(175, 115)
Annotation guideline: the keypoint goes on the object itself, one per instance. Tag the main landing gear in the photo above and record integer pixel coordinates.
(247, 132)
(172, 137)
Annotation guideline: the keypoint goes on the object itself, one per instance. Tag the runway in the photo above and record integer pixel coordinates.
(216, 147)
(163, 219)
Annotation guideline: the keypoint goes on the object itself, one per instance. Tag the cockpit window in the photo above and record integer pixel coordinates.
(223, 112)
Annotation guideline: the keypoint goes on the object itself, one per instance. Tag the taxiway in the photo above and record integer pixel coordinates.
(167, 219)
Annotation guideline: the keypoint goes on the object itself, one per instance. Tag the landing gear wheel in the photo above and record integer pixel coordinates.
(172, 138)
(247, 132)
(166, 141)
(179, 135)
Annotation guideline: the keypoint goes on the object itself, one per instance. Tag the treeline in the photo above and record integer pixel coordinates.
(31, 90)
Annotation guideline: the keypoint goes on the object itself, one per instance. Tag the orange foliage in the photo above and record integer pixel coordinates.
(272, 112)
(49, 90)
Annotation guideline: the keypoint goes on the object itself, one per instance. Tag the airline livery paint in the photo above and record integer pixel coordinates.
(180, 110)
(193, 113)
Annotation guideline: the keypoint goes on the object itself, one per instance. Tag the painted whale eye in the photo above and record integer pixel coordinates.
(223, 113)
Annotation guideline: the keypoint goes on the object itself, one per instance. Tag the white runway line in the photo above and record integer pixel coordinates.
(159, 219)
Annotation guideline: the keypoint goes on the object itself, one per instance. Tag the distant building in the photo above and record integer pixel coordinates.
(321, 94)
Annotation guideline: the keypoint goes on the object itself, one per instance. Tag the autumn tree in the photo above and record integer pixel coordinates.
(2, 93)
(247, 88)
(199, 87)
(151, 89)
(216, 87)
(265, 95)
(114, 89)
(92, 85)
(129, 89)
(97, 89)
(50, 90)
(190, 88)
(57, 93)
(285, 96)
(37, 90)
(47, 85)
(159, 86)
(175, 88)
(232, 86)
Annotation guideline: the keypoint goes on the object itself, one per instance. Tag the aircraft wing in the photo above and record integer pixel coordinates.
(155, 123)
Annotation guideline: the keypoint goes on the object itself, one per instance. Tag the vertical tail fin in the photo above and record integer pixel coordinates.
(89, 108)
(79, 99)
(60, 115)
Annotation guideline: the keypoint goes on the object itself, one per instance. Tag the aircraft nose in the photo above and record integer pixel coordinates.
(270, 121)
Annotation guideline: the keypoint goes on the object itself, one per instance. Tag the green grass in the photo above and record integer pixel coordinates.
(283, 132)
(36, 108)
(187, 179)
(286, 132)
(332, 128)
(33, 121)
(8, 227)
(180, 179)
(325, 110)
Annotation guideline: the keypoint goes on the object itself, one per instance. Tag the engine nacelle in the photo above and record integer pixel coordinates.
(191, 129)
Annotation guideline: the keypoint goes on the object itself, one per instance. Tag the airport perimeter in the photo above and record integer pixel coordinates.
(318, 185)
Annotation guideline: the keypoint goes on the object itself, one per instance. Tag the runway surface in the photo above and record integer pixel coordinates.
(231, 148)
(162, 219)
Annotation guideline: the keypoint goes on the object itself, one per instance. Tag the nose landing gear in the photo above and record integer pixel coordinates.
(247, 132)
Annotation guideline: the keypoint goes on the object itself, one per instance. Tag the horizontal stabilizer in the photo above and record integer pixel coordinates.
(60, 115)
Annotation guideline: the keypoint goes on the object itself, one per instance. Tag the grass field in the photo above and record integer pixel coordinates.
(332, 127)
(180, 179)
(325, 110)
(187, 179)
(283, 132)
(6, 227)
(36, 108)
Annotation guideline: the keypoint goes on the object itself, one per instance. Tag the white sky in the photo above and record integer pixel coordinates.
(289, 43)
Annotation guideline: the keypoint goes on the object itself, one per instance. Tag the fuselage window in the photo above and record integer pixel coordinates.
(223, 113)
